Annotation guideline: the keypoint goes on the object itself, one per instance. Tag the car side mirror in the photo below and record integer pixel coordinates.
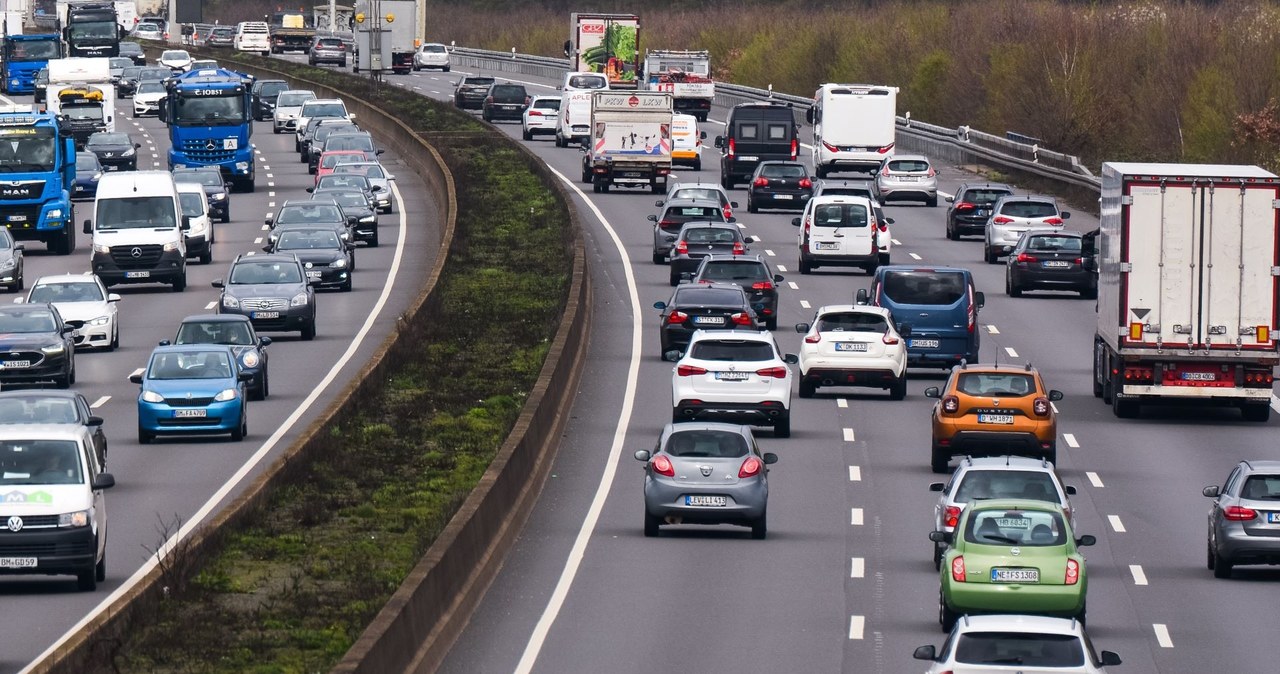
(932, 392)
(719, 142)
(686, 276)
(654, 218)
(702, 135)
(950, 200)
(791, 359)
(641, 455)
(376, 188)
(93, 421)
(671, 356)
(137, 146)
(390, 177)
(802, 328)
(861, 297)
(244, 376)
(889, 221)
(940, 537)
(770, 458)
(657, 203)
(904, 329)
(778, 278)
(1211, 491)
(1066, 215)
(164, 342)
(379, 151)
(19, 246)
(1086, 540)
(88, 227)
(1055, 395)
(67, 329)
(309, 190)
(217, 283)
(1071, 491)
(266, 248)
(795, 222)
(1109, 658)
(104, 481)
(731, 219)
(752, 239)
(112, 297)
(936, 486)
(659, 305)
(925, 653)
(980, 299)
(19, 300)
(136, 378)
(264, 342)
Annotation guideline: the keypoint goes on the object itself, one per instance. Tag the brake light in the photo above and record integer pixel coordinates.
(951, 516)
(1056, 222)
(813, 339)
(973, 311)
(795, 148)
(732, 148)
(931, 173)
(890, 340)
(739, 248)
(741, 318)
(677, 317)
(965, 206)
(662, 466)
(690, 370)
(728, 212)
(1041, 407)
(806, 184)
(886, 149)
(535, 113)
(762, 285)
(1023, 257)
(682, 247)
(760, 182)
(1078, 260)
(1001, 220)
(1073, 572)
(775, 372)
(667, 223)
(1139, 374)
(950, 404)
(885, 171)
(750, 467)
(957, 569)
(830, 147)
(1239, 513)
(1253, 378)
(882, 226)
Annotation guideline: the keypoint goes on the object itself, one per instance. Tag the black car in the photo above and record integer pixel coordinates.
(698, 240)
(313, 143)
(236, 331)
(677, 212)
(134, 51)
(306, 213)
(11, 261)
(128, 82)
(1050, 259)
(49, 406)
(702, 306)
(471, 91)
(756, 132)
(116, 151)
(362, 219)
(752, 273)
(88, 173)
(971, 208)
(272, 290)
(41, 85)
(324, 255)
(215, 188)
(779, 184)
(36, 345)
(264, 98)
(504, 101)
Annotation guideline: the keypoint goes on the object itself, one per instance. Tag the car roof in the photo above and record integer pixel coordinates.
(1020, 623)
(1027, 197)
(858, 308)
(42, 431)
(691, 201)
(705, 426)
(748, 335)
(1007, 461)
(40, 393)
(1261, 466)
(979, 367)
(66, 278)
(912, 157)
(268, 257)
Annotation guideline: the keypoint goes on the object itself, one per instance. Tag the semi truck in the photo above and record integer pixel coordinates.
(394, 26)
(23, 56)
(92, 29)
(290, 31)
(210, 123)
(37, 169)
(630, 141)
(81, 90)
(686, 75)
(1187, 261)
(605, 43)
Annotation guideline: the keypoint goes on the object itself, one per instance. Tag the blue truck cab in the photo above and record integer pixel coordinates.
(209, 113)
(23, 57)
(37, 171)
(940, 304)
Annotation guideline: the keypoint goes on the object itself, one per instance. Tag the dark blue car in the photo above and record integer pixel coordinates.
(88, 172)
(941, 306)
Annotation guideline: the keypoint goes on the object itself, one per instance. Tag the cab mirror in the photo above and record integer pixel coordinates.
(791, 359)
(925, 653)
(654, 218)
(932, 392)
(88, 226)
(641, 455)
(93, 421)
(217, 283)
(1085, 541)
(795, 222)
(770, 458)
(1055, 395)
(802, 328)
(104, 481)
(264, 341)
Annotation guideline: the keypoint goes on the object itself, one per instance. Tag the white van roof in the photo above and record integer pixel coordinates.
(135, 184)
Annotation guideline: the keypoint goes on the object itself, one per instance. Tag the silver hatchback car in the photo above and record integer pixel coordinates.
(1014, 214)
(908, 177)
(706, 473)
(1244, 522)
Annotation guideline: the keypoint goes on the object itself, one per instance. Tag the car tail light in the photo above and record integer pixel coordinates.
(830, 147)
(1239, 513)
(1056, 222)
(957, 569)
(965, 206)
(682, 247)
(728, 212)
(1023, 257)
(667, 223)
(750, 467)
(1041, 407)
(931, 173)
(762, 285)
(535, 113)
(806, 184)
(951, 516)
(890, 340)
(739, 248)
(1001, 220)
(973, 311)
(813, 339)
(795, 148)
(733, 148)
(1073, 572)
(741, 318)
(950, 404)
(775, 372)
(677, 317)
(760, 182)
(690, 370)
(886, 149)
(885, 171)
(662, 466)
(1078, 260)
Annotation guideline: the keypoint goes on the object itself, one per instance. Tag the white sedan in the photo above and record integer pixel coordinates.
(736, 376)
(175, 59)
(853, 345)
(84, 304)
(146, 100)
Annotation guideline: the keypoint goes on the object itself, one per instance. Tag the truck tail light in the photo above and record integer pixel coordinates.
(741, 318)
(1258, 378)
(760, 182)
(774, 372)
(750, 467)
(1138, 374)
(1041, 407)
(662, 466)
(957, 569)
(677, 317)
(951, 516)
(1073, 572)
(886, 149)
(950, 404)
(690, 370)
(1239, 513)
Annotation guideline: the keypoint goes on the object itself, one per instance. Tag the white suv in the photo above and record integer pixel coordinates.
(838, 231)
(853, 345)
(1017, 643)
(541, 116)
(736, 376)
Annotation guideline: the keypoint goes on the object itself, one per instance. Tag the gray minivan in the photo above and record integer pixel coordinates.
(940, 304)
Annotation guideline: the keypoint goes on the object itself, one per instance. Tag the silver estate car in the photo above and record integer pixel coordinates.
(706, 473)
(1014, 214)
(908, 177)
(1244, 522)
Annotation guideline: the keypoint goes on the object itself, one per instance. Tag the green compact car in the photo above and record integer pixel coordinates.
(1012, 556)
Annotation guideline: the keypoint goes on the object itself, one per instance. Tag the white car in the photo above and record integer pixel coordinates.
(84, 302)
(175, 59)
(146, 100)
(852, 345)
(288, 105)
(148, 31)
(737, 376)
(195, 206)
(327, 108)
(431, 55)
(540, 117)
(992, 644)
(838, 231)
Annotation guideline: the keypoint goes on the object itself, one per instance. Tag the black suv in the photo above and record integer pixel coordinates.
(325, 256)
(235, 331)
(273, 291)
(264, 98)
(779, 184)
(471, 91)
(756, 132)
(752, 273)
(505, 101)
(39, 346)
(971, 208)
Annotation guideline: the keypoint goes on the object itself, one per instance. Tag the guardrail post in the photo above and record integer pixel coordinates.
(1035, 153)
(964, 133)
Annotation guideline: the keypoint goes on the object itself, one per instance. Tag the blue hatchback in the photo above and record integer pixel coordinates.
(88, 172)
(940, 304)
(192, 389)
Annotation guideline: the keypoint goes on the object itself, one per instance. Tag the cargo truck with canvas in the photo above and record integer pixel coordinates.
(854, 127)
(686, 75)
(1187, 287)
(605, 43)
(630, 141)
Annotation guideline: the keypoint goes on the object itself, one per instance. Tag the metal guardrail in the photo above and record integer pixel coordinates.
(961, 145)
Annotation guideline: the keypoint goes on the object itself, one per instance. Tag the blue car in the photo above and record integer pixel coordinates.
(940, 304)
(192, 389)
(88, 172)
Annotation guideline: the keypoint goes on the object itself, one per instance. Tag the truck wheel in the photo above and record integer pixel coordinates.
(66, 243)
(697, 164)
(1124, 409)
(658, 188)
(1258, 413)
(246, 185)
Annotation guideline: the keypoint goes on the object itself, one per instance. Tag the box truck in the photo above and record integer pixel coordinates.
(605, 43)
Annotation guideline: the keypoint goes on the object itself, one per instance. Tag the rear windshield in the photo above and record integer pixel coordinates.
(1029, 209)
(853, 322)
(329, 43)
(924, 287)
(734, 271)
(1026, 649)
(698, 193)
(1016, 527)
(984, 196)
(324, 110)
(708, 297)
(477, 81)
(710, 235)
(510, 93)
(840, 215)
(988, 484)
(732, 350)
(364, 143)
(1003, 384)
(845, 192)
(434, 49)
(688, 213)
(912, 165)
(782, 171)
(292, 99)
(1054, 244)
(1261, 488)
(547, 104)
(587, 82)
(706, 444)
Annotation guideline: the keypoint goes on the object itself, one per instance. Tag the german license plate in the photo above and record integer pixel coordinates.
(709, 320)
(999, 575)
(266, 314)
(924, 343)
(17, 218)
(995, 418)
(822, 245)
(782, 196)
(1199, 376)
(190, 414)
(137, 274)
(1056, 264)
(1013, 522)
(15, 364)
(983, 211)
(1273, 518)
(851, 346)
(714, 501)
(18, 562)
(748, 158)
(313, 273)
(732, 376)
(907, 179)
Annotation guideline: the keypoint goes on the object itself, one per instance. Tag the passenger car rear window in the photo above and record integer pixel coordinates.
(839, 215)
(1029, 209)
(782, 171)
(707, 444)
(686, 213)
(508, 93)
(1261, 488)
(983, 196)
(852, 322)
(547, 104)
(734, 271)
(707, 297)
(1054, 244)
(732, 350)
(697, 193)
(989, 484)
(1025, 649)
(1015, 527)
(996, 384)
(924, 287)
(910, 165)
(710, 235)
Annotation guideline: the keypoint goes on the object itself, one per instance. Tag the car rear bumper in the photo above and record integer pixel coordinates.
(997, 443)
(763, 413)
(1055, 600)
(781, 199)
(745, 500)
(826, 260)
(877, 372)
(907, 192)
(1043, 278)
(52, 367)
(1238, 547)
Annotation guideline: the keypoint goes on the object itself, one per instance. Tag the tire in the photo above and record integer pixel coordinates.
(266, 384)
(445, 69)
(727, 181)
(87, 581)
(309, 332)
(658, 258)
(651, 525)
(885, 260)
(240, 431)
(1221, 567)
(1256, 413)
(1009, 288)
(751, 206)
(1089, 294)
(658, 188)
(274, 129)
(180, 284)
(938, 459)
(559, 141)
(946, 617)
(782, 428)
(115, 337)
(226, 215)
(932, 202)
(144, 437)
(1082, 616)
(820, 171)
(805, 265)
(1124, 409)
(807, 389)
(206, 258)
(760, 527)
(951, 232)
(988, 256)
(66, 380)
(1051, 455)
(898, 390)
(697, 164)
(100, 569)
(870, 270)
(673, 277)
(526, 135)
(373, 243)
(586, 177)
(67, 242)
(246, 185)
(771, 324)
(346, 287)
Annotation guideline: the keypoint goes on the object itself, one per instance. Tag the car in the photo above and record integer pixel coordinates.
(128, 81)
(1012, 215)
(216, 191)
(756, 132)
(752, 273)
(1244, 521)
(702, 306)
(134, 51)
(116, 66)
(324, 128)
(337, 140)
(941, 306)
(40, 86)
(431, 55)
(1012, 556)
(147, 97)
(706, 473)
(868, 189)
(376, 176)
(235, 331)
(713, 191)
(327, 50)
(37, 346)
(853, 345)
(373, 194)
(316, 108)
(12, 262)
(223, 37)
(471, 90)
(738, 376)
(504, 101)
(265, 94)
(838, 231)
(993, 409)
(53, 505)
(778, 184)
(148, 31)
(675, 214)
(272, 290)
(288, 105)
(331, 158)
(175, 59)
(154, 74)
(540, 117)
(698, 240)
(311, 213)
(84, 303)
(116, 151)
(191, 389)
(195, 208)
(984, 478)
(971, 208)
(1017, 643)
(88, 173)
(908, 177)
(362, 219)
(56, 408)
(203, 64)
(1050, 259)
(323, 254)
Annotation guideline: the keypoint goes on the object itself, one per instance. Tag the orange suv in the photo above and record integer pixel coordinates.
(987, 410)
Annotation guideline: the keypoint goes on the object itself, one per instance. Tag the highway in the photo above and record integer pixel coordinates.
(844, 581)
(170, 482)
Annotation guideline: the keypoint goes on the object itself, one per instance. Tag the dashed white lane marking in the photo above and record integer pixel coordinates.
(855, 473)
(1094, 479)
(265, 228)
(258, 240)
(271, 204)
(856, 624)
(1275, 402)
(896, 242)
(1162, 635)
(792, 285)
(155, 156)
(434, 91)
(100, 402)
(271, 194)
(804, 304)
(251, 252)
(270, 175)
(855, 517)
(1139, 577)
(271, 184)
(1071, 440)
(782, 268)
(857, 567)
(210, 306)
(914, 256)
(137, 371)
(1053, 407)
(769, 252)
(842, 402)
(266, 168)
(848, 435)
(1009, 350)
(991, 329)
(739, 224)
(1116, 523)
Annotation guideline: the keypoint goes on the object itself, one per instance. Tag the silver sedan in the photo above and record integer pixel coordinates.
(908, 177)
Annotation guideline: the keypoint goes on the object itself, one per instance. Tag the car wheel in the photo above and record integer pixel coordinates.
(771, 324)
(180, 283)
(1011, 289)
(445, 69)
(206, 257)
(951, 232)
(932, 201)
(659, 258)
(559, 140)
(275, 130)
(674, 276)
(1220, 565)
(939, 458)
(807, 388)
(266, 384)
(1089, 293)
(100, 569)
(760, 527)
(346, 287)
(898, 390)
(946, 616)
(1081, 617)
(87, 580)
(782, 427)
(242, 430)
(115, 337)
(651, 525)
(751, 205)
(989, 256)
(526, 135)
(226, 215)
(805, 265)
(309, 332)
(697, 164)
(1051, 454)
(885, 260)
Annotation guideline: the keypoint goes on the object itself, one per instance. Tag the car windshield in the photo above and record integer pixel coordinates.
(1033, 485)
(706, 444)
(191, 204)
(698, 193)
(1015, 527)
(27, 322)
(109, 139)
(65, 292)
(782, 171)
(190, 365)
(1029, 209)
(291, 99)
(328, 43)
(86, 162)
(1261, 488)
(82, 110)
(710, 235)
(983, 196)
(33, 50)
(199, 177)
(36, 410)
(253, 273)
(26, 150)
(323, 110)
(924, 287)
(215, 332)
(1019, 649)
(131, 72)
(329, 161)
(694, 296)
(1054, 244)
(150, 88)
(733, 271)
(350, 181)
(6, 239)
(853, 321)
(996, 384)
(840, 215)
(297, 239)
(908, 165)
(39, 462)
(135, 213)
(315, 212)
(733, 350)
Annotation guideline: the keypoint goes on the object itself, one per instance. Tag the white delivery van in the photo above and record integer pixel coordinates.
(195, 206)
(686, 141)
(854, 127)
(838, 231)
(253, 36)
(575, 116)
(583, 82)
(139, 232)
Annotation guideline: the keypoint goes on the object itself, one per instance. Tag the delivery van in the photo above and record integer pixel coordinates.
(575, 117)
(686, 141)
(138, 230)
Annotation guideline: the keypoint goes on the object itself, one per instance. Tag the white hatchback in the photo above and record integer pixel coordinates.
(431, 55)
(737, 376)
(1017, 643)
(84, 302)
(853, 345)
(838, 231)
(541, 116)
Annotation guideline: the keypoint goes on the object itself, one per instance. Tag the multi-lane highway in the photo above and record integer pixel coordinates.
(845, 580)
(163, 484)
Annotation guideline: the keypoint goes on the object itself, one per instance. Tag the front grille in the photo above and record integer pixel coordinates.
(25, 189)
(36, 521)
(260, 303)
(147, 256)
(189, 402)
(270, 323)
(189, 421)
(199, 150)
(18, 548)
(35, 357)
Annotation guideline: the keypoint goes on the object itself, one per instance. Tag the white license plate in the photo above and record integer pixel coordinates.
(716, 501)
(313, 273)
(1056, 264)
(266, 314)
(925, 343)
(782, 196)
(709, 320)
(995, 418)
(732, 376)
(190, 414)
(851, 346)
(15, 364)
(1015, 575)
(906, 179)
(17, 562)
(821, 245)
(17, 218)
(1273, 518)
(1199, 376)
(748, 158)
(137, 274)
(1013, 522)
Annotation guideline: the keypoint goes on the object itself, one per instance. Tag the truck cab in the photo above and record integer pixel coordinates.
(92, 29)
(23, 56)
(209, 113)
(37, 170)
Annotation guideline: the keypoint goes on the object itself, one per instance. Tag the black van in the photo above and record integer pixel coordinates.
(756, 132)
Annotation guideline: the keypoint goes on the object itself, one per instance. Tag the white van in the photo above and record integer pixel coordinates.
(838, 231)
(139, 230)
(584, 82)
(575, 116)
(195, 206)
(854, 127)
(253, 36)
(686, 141)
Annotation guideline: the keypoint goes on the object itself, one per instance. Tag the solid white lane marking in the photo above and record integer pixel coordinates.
(1009, 350)
(842, 402)
(1094, 479)
(769, 252)
(792, 285)
(781, 268)
(804, 304)
(1139, 577)
(855, 473)
(1162, 635)
(1071, 440)
(100, 402)
(210, 305)
(914, 256)
(848, 435)
(1116, 523)
(856, 624)
(857, 568)
(992, 329)
(855, 517)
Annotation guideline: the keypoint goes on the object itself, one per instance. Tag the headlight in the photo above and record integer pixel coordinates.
(369, 218)
(250, 359)
(54, 349)
(79, 518)
(101, 320)
(152, 397)
(299, 300)
(230, 302)
(100, 248)
(9, 264)
(339, 263)
(171, 246)
(128, 153)
(55, 213)
(218, 196)
(225, 394)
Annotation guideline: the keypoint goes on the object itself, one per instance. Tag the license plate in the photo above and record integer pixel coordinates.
(1056, 264)
(1273, 518)
(851, 346)
(983, 211)
(924, 343)
(17, 562)
(313, 273)
(716, 501)
(709, 320)
(1015, 575)
(1013, 522)
(732, 376)
(15, 364)
(995, 419)
(906, 179)
(17, 218)
(748, 159)
(190, 414)
(826, 246)
(630, 174)
(1199, 376)
(266, 314)
(782, 196)
(137, 274)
